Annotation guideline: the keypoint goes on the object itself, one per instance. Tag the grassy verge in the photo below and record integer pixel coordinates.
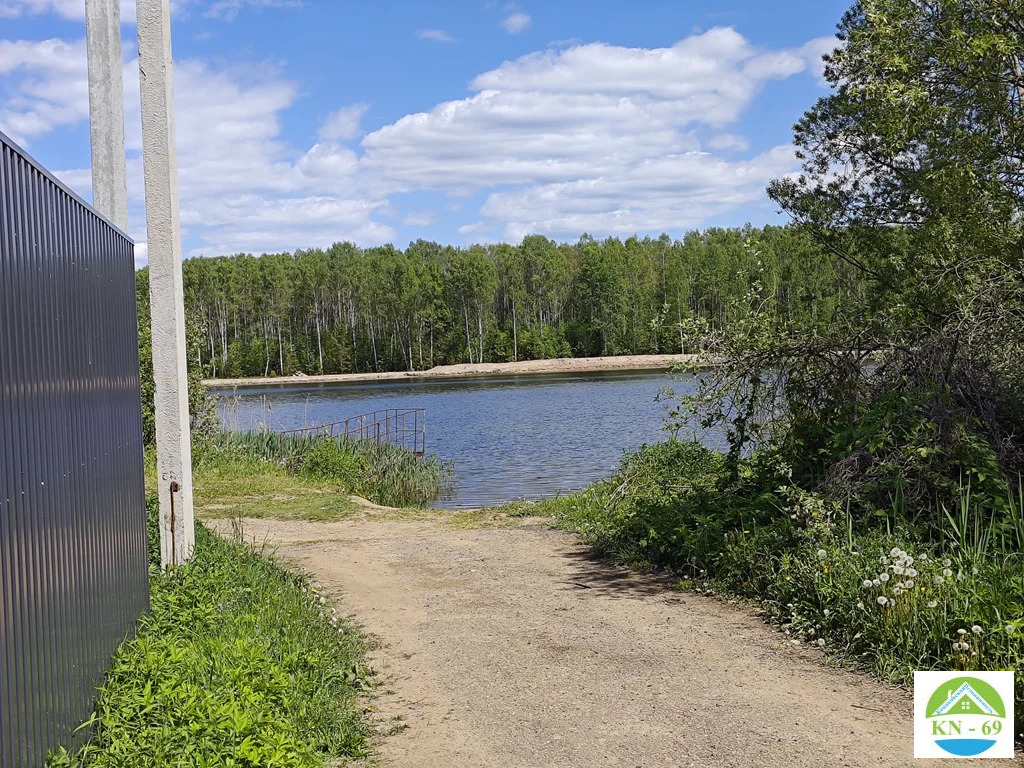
(385, 474)
(882, 595)
(234, 486)
(239, 663)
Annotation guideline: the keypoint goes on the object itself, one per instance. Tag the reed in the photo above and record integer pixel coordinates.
(384, 473)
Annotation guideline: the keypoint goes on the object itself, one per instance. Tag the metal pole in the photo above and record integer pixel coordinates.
(106, 110)
(174, 447)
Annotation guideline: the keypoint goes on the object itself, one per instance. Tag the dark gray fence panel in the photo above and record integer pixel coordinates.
(73, 571)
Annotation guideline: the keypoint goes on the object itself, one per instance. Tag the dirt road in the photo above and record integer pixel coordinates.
(509, 647)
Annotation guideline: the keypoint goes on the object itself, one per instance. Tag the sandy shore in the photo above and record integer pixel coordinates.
(526, 367)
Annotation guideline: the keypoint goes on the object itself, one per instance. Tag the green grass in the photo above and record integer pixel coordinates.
(237, 487)
(888, 599)
(239, 663)
(386, 474)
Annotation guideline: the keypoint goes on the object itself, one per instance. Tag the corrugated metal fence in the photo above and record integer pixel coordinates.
(73, 571)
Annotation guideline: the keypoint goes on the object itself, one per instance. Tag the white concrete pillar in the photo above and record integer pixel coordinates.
(166, 295)
(106, 110)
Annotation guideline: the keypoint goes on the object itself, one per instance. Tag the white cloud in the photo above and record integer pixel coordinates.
(515, 23)
(596, 138)
(343, 124)
(46, 86)
(74, 10)
(241, 186)
(665, 193)
(817, 48)
(437, 35)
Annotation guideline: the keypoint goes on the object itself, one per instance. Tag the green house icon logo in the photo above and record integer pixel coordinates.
(966, 714)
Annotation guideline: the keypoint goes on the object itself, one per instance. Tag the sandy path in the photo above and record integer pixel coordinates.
(509, 647)
(469, 370)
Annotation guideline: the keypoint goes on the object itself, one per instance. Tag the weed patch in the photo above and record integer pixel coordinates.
(239, 662)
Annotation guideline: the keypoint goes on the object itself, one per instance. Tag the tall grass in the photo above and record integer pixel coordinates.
(384, 473)
(238, 663)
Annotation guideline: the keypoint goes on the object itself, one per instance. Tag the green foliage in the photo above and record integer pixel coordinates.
(329, 460)
(911, 179)
(203, 409)
(381, 472)
(348, 309)
(851, 586)
(237, 664)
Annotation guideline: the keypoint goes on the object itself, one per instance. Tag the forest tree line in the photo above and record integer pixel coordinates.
(348, 309)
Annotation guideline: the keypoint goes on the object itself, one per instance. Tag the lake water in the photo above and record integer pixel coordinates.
(516, 437)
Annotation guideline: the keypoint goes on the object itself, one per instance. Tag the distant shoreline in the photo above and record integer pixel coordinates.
(471, 370)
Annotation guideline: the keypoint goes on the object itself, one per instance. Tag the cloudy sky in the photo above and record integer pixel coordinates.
(303, 122)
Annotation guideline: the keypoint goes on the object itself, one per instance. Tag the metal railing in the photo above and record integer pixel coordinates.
(406, 427)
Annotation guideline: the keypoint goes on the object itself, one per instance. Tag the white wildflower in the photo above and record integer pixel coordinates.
(938, 580)
(976, 629)
(932, 603)
(822, 553)
(826, 611)
(821, 642)
(910, 584)
(895, 552)
(897, 569)
(947, 573)
(1010, 629)
(860, 606)
(866, 584)
(961, 632)
(876, 583)
(881, 600)
(883, 577)
(912, 572)
(946, 562)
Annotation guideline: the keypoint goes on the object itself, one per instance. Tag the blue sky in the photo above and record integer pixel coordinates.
(303, 122)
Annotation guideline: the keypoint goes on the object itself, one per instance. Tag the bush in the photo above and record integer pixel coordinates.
(329, 460)
(875, 592)
(236, 664)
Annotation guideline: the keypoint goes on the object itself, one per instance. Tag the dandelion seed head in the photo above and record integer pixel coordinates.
(976, 629)
(881, 600)
(866, 584)
(932, 603)
(961, 632)
(883, 577)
